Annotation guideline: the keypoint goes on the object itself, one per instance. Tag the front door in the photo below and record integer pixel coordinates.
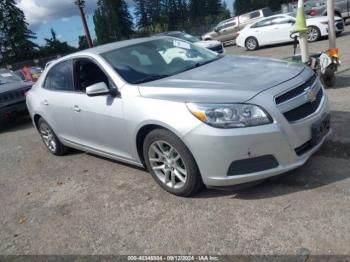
(99, 119)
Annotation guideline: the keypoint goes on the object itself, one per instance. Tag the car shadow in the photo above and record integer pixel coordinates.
(342, 79)
(314, 174)
(17, 124)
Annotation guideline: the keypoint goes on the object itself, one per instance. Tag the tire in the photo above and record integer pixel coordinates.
(50, 139)
(313, 34)
(171, 163)
(251, 44)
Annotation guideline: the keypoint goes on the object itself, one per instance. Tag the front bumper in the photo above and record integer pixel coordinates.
(216, 149)
(10, 111)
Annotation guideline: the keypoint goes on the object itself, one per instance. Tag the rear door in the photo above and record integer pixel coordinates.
(282, 28)
(56, 96)
(225, 30)
(263, 31)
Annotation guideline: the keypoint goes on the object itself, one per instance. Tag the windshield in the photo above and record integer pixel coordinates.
(7, 76)
(157, 59)
(186, 37)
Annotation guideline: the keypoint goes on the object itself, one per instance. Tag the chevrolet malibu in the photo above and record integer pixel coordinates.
(197, 119)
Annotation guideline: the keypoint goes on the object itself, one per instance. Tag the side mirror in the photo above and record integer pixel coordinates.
(97, 89)
(216, 29)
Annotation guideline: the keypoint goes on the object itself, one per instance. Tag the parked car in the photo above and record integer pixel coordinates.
(36, 72)
(217, 119)
(12, 95)
(212, 45)
(20, 74)
(277, 29)
(319, 8)
(226, 31)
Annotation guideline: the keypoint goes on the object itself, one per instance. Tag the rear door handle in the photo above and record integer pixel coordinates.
(76, 108)
(45, 103)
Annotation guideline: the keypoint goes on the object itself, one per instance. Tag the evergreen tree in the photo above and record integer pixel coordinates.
(244, 6)
(54, 46)
(15, 37)
(112, 21)
(142, 15)
(203, 14)
(83, 44)
(176, 14)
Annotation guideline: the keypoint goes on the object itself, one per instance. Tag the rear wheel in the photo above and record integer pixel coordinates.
(251, 44)
(313, 34)
(50, 139)
(171, 163)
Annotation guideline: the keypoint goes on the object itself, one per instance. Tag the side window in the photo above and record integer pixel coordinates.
(87, 73)
(263, 23)
(231, 24)
(254, 14)
(59, 78)
(281, 20)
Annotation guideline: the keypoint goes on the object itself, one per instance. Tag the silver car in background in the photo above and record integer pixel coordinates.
(203, 119)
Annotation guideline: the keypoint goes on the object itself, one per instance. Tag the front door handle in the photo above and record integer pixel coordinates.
(76, 108)
(45, 103)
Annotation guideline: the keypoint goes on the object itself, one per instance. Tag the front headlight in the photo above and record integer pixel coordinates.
(230, 115)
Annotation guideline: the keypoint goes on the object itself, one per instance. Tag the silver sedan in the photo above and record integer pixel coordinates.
(190, 116)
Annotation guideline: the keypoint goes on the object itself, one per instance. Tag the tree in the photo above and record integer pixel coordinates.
(15, 37)
(204, 13)
(143, 20)
(244, 6)
(176, 14)
(83, 44)
(54, 46)
(112, 21)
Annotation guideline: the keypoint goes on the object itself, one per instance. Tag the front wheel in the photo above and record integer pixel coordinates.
(313, 34)
(251, 44)
(171, 163)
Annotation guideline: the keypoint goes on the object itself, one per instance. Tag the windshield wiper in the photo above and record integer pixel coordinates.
(150, 78)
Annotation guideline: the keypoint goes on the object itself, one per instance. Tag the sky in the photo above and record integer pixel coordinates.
(63, 17)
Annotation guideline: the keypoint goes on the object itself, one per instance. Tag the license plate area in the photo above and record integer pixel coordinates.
(320, 129)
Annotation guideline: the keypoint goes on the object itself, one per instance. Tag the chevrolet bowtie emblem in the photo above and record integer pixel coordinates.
(311, 93)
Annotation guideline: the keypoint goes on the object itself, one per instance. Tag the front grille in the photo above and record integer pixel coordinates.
(296, 91)
(304, 110)
(218, 49)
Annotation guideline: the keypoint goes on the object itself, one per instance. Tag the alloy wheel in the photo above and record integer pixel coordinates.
(312, 34)
(251, 44)
(48, 137)
(167, 164)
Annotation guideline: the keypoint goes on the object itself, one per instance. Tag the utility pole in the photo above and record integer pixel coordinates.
(81, 5)
(301, 28)
(331, 25)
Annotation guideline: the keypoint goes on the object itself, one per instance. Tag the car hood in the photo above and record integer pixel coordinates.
(208, 44)
(229, 79)
(14, 86)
